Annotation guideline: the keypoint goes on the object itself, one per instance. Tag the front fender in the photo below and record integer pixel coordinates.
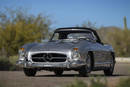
(28, 46)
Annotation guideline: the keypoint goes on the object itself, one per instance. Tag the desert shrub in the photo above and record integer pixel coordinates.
(18, 27)
(124, 83)
(78, 83)
(12, 60)
(4, 63)
(8, 63)
(97, 83)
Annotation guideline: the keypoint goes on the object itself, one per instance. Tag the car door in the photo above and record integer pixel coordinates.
(100, 53)
(107, 53)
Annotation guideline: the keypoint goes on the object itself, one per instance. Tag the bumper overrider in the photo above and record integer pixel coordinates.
(67, 64)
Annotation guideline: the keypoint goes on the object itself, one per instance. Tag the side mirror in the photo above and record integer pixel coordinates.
(93, 39)
(45, 40)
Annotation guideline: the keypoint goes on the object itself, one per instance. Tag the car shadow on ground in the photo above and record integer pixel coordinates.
(77, 75)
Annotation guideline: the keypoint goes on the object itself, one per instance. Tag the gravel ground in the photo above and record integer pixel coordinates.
(48, 79)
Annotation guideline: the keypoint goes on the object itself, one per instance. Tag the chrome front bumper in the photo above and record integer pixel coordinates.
(67, 64)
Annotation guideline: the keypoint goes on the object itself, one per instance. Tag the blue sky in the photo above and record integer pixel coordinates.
(64, 13)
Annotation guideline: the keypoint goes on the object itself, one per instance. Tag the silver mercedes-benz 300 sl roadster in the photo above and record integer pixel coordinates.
(73, 48)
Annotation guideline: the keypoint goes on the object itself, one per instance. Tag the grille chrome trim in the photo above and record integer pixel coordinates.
(48, 57)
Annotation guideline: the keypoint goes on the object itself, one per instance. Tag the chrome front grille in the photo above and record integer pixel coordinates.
(48, 57)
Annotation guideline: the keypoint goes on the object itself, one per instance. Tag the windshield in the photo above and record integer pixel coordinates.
(73, 36)
(79, 36)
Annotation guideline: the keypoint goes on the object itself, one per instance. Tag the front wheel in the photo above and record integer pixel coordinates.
(87, 68)
(109, 71)
(29, 71)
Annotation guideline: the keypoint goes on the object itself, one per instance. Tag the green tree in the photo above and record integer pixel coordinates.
(118, 38)
(17, 28)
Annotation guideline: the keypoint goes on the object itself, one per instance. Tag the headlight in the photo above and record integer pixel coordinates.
(75, 53)
(22, 54)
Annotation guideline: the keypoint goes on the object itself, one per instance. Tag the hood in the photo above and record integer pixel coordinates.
(54, 46)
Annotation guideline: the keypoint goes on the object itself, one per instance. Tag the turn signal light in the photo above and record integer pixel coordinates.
(75, 49)
(22, 49)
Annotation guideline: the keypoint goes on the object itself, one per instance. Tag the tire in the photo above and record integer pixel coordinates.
(58, 72)
(109, 71)
(29, 71)
(85, 70)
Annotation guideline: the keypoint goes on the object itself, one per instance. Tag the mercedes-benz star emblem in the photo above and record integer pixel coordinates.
(47, 57)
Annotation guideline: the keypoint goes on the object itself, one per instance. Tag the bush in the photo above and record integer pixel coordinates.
(4, 64)
(8, 63)
(124, 83)
(97, 83)
(93, 83)
(12, 60)
(78, 83)
(18, 27)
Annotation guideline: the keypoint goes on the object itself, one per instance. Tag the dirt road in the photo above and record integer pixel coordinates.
(48, 79)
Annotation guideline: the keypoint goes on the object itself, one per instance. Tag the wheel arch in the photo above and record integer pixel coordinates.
(92, 58)
(113, 55)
